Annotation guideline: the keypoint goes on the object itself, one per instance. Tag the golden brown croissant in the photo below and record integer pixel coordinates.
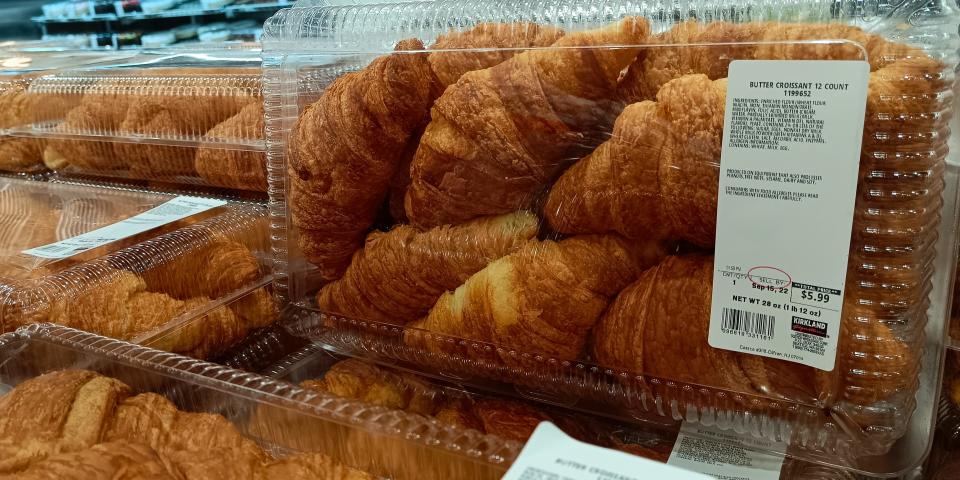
(154, 420)
(784, 41)
(873, 362)
(121, 307)
(508, 419)
(401, 180)
(235, 168)
(209, 264)
(17, 154)
(72, 422)
(398, 275)
(361, 380)
(121, 460)
(659, 324)
(649, 330)
(544, 298)
(656, 176)
(98, 113)
(187, 111)
(211, 333)
(153, 117)
(460, 414)
(498, 135)
(20, 154)
(115, 308)
(613, 189)
(499, 42)
(616, 188)
(365, 381)
(903, 101)
(483, 46)
(655, 67)
(345, 149)
(63, 411)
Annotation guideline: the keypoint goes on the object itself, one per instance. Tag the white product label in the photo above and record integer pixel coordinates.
(788, 179)
(726, 456)
(176, 209)
(552, 455)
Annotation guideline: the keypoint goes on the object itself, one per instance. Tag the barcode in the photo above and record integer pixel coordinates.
(58, 250)
(742, 322)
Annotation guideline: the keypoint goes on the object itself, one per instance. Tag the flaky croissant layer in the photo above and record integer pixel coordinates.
(77, 424)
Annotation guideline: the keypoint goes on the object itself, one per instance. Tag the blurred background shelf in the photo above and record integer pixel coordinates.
(125, 24)
(189, 9)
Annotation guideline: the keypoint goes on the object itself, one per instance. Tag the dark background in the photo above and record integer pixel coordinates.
(15, 18)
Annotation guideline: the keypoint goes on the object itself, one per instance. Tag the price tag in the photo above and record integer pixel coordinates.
(552, 455)
(171, 211)
(788, 180)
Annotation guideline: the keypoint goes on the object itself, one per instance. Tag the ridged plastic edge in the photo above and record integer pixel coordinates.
(374, 28)
(280, 116)
(140, 258)
(140, 82)
(286, 365)
(409, 427)
(261, 350)
(155, 188)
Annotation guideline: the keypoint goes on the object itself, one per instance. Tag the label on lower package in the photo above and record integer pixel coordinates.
(171, 211)
(552, 455)
(726, 455)
(788, 179)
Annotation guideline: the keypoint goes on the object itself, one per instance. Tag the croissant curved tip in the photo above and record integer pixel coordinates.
(409, 44)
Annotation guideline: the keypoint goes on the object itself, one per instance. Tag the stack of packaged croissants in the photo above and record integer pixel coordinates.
(554, 194)
(79, 424)
(549, 196)
(94, 122)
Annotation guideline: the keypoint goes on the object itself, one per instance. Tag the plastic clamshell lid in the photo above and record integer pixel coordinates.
(39, 213)
(145, 287)
(384, 442)
(653, 442)
(17, 70)
(367, 27)
(193, 117)
(891, 349)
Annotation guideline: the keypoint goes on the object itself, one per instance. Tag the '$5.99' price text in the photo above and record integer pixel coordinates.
(815, 296)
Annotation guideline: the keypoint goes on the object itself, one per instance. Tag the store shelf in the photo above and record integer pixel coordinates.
(192, 9)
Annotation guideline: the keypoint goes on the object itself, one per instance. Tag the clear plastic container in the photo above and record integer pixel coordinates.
(24, 155)
(188, 119)
(17, 69)
(314, 368)
(196, 285)
(471, 114)
(367, 438)
(262, 350)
